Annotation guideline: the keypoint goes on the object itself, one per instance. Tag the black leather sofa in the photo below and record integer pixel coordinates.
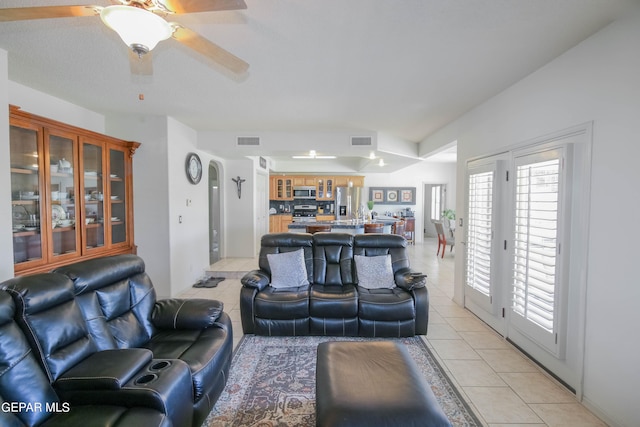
(334, 302)
(90, 345)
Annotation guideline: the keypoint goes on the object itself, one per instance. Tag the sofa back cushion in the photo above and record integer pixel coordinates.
(383, 244)
(276, 243)
(117, 299)
(51, 319)
(333, 259)
(21, 378)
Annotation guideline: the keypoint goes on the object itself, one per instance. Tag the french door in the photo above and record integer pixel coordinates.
(526, 247)
(486, 181)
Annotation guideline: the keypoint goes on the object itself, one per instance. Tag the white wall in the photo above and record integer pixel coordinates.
(150, 193)
(599, 81)
(176, 253)
(239, 212)
(6, 239)
(188, 210)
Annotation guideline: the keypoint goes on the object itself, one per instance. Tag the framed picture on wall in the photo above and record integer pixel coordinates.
(407, 196)
(393, 195)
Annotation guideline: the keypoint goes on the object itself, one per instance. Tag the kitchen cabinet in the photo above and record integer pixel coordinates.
(324, 217)
(71, 193)
(304, 180)
(343, 181)
(325, 188)
(281, 188)
(279, 223)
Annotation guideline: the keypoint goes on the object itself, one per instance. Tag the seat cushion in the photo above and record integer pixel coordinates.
(385, 304)
(333, 301)
(282, 304)
(106, 415)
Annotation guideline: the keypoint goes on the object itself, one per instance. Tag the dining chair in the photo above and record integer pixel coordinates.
(398, 228)
(445, 237)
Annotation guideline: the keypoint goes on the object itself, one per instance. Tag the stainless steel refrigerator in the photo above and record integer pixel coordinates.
(348, 202)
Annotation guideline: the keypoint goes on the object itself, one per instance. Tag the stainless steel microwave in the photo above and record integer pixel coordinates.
(304, 192)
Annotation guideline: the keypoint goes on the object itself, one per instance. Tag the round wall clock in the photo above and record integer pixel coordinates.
(194, 168)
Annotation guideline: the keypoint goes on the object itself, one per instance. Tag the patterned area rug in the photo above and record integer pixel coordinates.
(272, 383)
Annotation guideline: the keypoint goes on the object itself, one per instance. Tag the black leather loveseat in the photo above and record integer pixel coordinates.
(334, 284)
(89, 345)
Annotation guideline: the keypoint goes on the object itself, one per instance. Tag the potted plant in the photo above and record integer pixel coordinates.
(448, 217)
(370, 204)
(449, 214)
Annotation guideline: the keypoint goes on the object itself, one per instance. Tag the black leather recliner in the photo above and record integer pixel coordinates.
(100, 336)
(333, 303)
(28, 399)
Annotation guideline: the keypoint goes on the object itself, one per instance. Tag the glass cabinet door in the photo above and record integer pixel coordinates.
(65, 236)
(93, 195)
(117, 196)
(26, 185)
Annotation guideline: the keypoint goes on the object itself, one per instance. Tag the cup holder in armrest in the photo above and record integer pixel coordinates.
(159, 366)
(145, 379)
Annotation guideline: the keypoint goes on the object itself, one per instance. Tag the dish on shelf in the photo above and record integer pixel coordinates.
(91, 173)
(115, 218)
(113, 175)
(30, 228)
(57, 213)
(114, 197)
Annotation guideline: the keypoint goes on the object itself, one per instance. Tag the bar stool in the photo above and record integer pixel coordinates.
(318, 227)
(376, 227)
(398, 228)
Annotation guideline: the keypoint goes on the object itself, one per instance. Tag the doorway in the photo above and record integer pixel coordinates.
(434, 204)
(215, 213)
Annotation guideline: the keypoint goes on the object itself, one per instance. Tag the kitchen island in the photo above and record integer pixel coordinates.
(343, 226)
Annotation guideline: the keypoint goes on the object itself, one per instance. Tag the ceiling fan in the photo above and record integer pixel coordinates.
(141, 24)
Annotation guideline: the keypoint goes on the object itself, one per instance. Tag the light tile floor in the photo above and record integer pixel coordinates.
(501, 384)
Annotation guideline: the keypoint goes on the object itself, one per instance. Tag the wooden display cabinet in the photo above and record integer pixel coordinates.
(71, 193)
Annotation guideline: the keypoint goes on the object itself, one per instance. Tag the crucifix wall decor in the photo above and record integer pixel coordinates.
(238, 182)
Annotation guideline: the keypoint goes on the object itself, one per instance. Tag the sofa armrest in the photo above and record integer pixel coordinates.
(105, 370)
(256, 279)
(177, 313)
(408, 279)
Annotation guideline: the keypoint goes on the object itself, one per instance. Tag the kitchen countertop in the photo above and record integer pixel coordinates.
(347, 226)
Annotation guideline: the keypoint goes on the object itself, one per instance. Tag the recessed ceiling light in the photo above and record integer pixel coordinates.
(381, 162)
(372, 155)
(312, 155)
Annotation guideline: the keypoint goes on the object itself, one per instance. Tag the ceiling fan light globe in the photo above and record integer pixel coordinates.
(139, 29)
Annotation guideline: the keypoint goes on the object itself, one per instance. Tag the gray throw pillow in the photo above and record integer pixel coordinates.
(375, 272)
(288, 269)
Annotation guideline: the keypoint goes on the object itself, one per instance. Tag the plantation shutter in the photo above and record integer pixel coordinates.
(480, 234)
(536, 246)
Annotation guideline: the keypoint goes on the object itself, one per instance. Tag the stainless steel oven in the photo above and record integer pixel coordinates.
(304, 213)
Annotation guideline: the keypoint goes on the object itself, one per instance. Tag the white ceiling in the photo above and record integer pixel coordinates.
(402, 69)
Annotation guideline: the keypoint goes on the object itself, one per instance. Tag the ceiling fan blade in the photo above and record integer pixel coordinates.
(140, 65)
(210, 50)
(43, 12)
(191, 6)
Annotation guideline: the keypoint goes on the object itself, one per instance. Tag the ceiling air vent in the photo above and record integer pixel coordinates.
(361, 141)
(244, 141)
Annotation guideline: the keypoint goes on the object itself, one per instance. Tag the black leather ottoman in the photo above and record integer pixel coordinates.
(370, 384)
